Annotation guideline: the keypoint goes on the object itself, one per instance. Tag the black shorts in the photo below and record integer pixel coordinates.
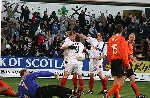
(116, 68)
(53, 90)
(130, 72)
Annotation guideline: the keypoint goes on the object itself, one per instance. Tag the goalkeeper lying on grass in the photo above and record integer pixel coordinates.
(28, 86)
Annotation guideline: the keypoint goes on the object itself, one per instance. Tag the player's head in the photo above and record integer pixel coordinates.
(99, 35)
(131, 38)
(72, 35)
(77, 38)
(118, 29)
(23, 72)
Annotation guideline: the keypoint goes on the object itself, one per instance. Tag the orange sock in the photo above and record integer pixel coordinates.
(113, 90)
(135, 88)
(117, 93)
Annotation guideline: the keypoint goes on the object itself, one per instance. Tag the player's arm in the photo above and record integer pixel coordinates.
(82, 36)
(42, 74)
(109, 49)
(134, 59)
(20, 93)
(104, 52)
(124, 52)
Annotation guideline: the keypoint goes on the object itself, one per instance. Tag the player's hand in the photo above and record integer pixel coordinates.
(71, 47)
(56, 75)
(129, 67)
(138, 63)
(95, 58)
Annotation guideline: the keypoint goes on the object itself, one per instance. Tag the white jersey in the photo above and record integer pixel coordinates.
(67, 42)
(73, 52)
(97, 48)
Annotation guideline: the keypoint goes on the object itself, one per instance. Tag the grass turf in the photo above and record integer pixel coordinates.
(125, 93)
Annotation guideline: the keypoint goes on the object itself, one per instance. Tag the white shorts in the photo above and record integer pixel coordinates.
(95, 66)
(109, 73)
(74, 66)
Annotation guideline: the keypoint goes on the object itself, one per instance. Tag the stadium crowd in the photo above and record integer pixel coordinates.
(43, 36)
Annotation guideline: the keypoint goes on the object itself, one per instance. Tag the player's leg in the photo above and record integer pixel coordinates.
(67, 71)
(78, 70)
(131, 76)
(118, 74)
(103, 81)
(9, 91)
(91, 81)
(74, 80)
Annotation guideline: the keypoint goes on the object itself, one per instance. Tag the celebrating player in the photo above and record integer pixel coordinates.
(97, 52)
(73, 64)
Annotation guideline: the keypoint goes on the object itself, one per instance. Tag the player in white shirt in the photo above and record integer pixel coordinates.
(67, 42)
(73, 64)
(97, 52)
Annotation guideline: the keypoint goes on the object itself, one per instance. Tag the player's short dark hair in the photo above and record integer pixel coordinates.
(118, 28)
(22, 72)
(77, 39)
(70, 33)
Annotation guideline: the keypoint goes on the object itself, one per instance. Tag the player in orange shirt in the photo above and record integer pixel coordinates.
(6, 90)
(117, 52)
(130, 73)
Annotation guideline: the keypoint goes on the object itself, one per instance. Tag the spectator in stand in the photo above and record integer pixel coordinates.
(118, 19)
(6, 32)
(34, 25)
(145, 34)
(128, 19)
(24, 51)
(14, 30)
(72, 22)
(54, 29)
(93, 31)
(25, 13)
(45, 25)
(100, 28)
(10, 11)
(110, 19)
(8, 51)
(82, 20)
(133, 27)
(103, 20)
(63, 24)
(92, 19)
(45, 17)
(109, 31)
(3, 43)
(77, 28)
(143, 18)
(16, 50)
(85, 30)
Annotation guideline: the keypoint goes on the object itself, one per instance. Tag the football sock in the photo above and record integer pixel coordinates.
(81, 83)
(91, 83)
(113, 90)
(135, 88)
(117, 93)
(63, 82)
(104, 84)
(74, 81)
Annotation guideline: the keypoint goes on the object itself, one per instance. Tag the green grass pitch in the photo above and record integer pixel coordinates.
(144, 87)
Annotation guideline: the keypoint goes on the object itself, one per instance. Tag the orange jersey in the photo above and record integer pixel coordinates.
(117, 49)
(130, 50)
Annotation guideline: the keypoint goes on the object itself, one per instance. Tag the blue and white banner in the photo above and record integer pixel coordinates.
(11, 66)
